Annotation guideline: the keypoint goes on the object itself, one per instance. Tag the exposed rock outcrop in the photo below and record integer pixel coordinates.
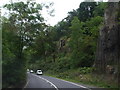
(108, 49)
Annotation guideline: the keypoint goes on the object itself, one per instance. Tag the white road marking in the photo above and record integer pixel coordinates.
(75, 84)
(26, 84)
(47, 81)
(62, 80)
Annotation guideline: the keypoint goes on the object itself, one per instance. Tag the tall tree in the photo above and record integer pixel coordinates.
(27, 19)
(24, 24)
(74, 42)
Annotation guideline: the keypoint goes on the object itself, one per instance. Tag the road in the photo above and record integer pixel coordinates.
(51, 83)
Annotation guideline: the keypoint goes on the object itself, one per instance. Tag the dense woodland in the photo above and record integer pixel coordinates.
(72, 44)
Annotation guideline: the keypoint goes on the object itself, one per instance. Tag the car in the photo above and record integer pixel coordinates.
(31, 71)
(39, 72)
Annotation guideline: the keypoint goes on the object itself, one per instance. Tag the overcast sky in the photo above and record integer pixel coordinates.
(61, 7)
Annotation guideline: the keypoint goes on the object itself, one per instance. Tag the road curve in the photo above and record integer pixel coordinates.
(46, 82)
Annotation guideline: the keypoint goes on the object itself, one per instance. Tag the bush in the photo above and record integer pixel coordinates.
(85, 70)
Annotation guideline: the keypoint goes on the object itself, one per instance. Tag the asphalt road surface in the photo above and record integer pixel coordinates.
(46, 82)
(41, 82)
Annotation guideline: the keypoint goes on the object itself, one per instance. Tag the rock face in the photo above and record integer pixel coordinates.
(108, 49)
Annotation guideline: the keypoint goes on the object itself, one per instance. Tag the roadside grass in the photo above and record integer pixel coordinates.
(83, 76)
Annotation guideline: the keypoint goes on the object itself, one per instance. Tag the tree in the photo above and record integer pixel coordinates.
(99, 9)
(83, 41)
(19, 31)
(74, 42)
(85, 10)
(44, 45)
(28, 21)
(10, 61)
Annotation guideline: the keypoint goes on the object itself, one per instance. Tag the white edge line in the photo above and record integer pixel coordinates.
(74, 84)
(26, 85)
(48, 82)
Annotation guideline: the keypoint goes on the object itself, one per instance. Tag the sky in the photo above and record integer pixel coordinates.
(61, 9)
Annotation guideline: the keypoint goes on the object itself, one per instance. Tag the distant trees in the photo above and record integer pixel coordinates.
(80, 38)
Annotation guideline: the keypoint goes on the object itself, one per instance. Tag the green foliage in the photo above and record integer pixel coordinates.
(62, 29)
(85, 10)
(85, 70)
(99, 10)
(80, 41)
(30, 43)
(83, 41)
(10, 61)
(19, 31)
